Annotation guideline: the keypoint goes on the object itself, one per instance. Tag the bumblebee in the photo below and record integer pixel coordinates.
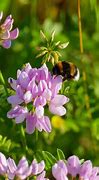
(67, 70)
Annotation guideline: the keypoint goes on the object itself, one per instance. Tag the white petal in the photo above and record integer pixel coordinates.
(20, 118)
(39, 111)
(47, 94)
(59, 100)
(58, 110)
(27, 97)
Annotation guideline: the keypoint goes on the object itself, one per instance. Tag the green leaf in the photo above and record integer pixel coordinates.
(58, 53)
(2, 81)
(81, 161)
(49, 158)
(52, 36)
(52, 60)
(63, 45)
(2, 78)
(95, 128)
(60, 154)
(41, 54)
(5, 143)
(42, 48)
(57, 43)
(43, 37)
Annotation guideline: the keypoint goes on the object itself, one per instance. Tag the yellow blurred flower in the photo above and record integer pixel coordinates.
(58, 123)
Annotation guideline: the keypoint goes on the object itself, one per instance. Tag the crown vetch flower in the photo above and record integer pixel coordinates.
(23, 169)
(3, 164)
(73, 165)
(6, 35)
(37, 168)
(59, 170)
(9, 169)
(95, 173)
(42, 176)
(74, 169)
(34, 89)
(86, 170)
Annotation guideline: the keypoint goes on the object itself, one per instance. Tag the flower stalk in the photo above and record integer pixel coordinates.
(82, 51)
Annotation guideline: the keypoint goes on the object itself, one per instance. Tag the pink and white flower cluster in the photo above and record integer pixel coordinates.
(34, 89)
(62, 170)
(73, 169)
(9, 169)
(6, 35)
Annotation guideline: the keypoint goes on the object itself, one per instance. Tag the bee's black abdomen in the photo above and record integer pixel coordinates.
(66, 69)
(56, 70)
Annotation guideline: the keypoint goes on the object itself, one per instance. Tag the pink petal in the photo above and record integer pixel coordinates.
(59, 100)
(22, 165)
(41, 166)
(41, 176)
(27, 67)
(17, 111)
(8, 25)
(58, 110)
(59, 171)
(73, 165)
(14, 34)
(30, 124)
(44, 124)
(11, 164)
(44, 84)
(11, 168)
(23, 79)
(3, 160)
(23, 170)
(56, 81)
(43, 72)
(6, 43)
(3, 164)
(47, 94)
(85, 170)
(40, 88)
(8, 18)
(37, 167)
(47, 124)
(34, 166)
(19, 92)
(14, 99)
(39, 101)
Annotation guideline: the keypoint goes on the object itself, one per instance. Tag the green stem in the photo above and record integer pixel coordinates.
(6, 177)
(3, 82)
(87, 103)
(36, 135)
(23, 138)
(73, 178)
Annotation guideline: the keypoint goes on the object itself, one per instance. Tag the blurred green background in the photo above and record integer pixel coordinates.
(78, 131)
